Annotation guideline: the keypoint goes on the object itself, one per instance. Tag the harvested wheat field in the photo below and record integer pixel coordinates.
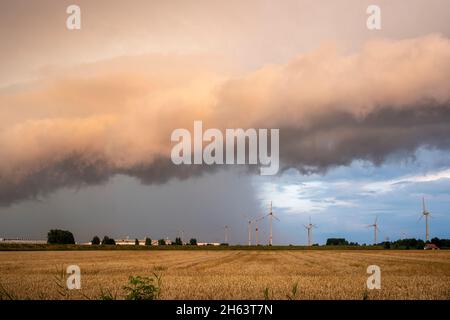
(231, 274)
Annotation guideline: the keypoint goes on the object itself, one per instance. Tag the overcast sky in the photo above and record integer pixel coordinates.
(86, 117)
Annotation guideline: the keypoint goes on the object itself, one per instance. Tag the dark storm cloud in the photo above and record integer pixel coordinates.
(77, 171)
(116, 117)
(339, 138)
(74, 171)
(336, 139)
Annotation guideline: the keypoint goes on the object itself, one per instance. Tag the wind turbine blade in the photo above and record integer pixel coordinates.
(376, 219)
(275, 218)
(260, 218)
(421, 216)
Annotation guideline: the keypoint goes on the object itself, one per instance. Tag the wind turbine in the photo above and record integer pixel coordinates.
(375, 230)
(309, 229)
(426, 214)
(181, 232)
(226, 233)
(271, 216)
(256, 228)
(249, 229)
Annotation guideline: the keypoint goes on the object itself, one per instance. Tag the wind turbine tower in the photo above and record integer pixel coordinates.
(226, 234)
(375, 230)
(182, 236)
(271, 216)
(426, 214)
(256, 228)
(249, 230)
(309, 229)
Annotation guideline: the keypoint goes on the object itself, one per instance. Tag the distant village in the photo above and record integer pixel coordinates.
(125, 241)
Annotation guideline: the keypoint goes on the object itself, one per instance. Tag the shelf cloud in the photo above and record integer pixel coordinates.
(82, 125)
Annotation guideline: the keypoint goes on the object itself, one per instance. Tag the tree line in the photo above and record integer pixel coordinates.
(56, 236)
(148, 241)
(406, 244)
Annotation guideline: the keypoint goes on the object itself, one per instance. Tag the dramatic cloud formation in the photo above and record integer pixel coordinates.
(83, 125)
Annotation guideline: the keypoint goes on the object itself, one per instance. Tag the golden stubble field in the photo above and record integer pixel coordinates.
(233, 274)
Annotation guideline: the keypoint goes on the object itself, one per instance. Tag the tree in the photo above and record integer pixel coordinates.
(148, 241)
(56, 236)
(108, 241)
(193, 242)
(409, 244)
(95, 240)
(336, 242)
(161, 242)
(136, 242)
(178, 242)
(441, 243)
(105, 240)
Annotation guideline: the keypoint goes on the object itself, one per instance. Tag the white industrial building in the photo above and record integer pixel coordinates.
(208, 243)
(128, 242)
(22, 241)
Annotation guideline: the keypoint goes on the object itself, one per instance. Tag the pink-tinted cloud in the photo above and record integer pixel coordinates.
(84, 124)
